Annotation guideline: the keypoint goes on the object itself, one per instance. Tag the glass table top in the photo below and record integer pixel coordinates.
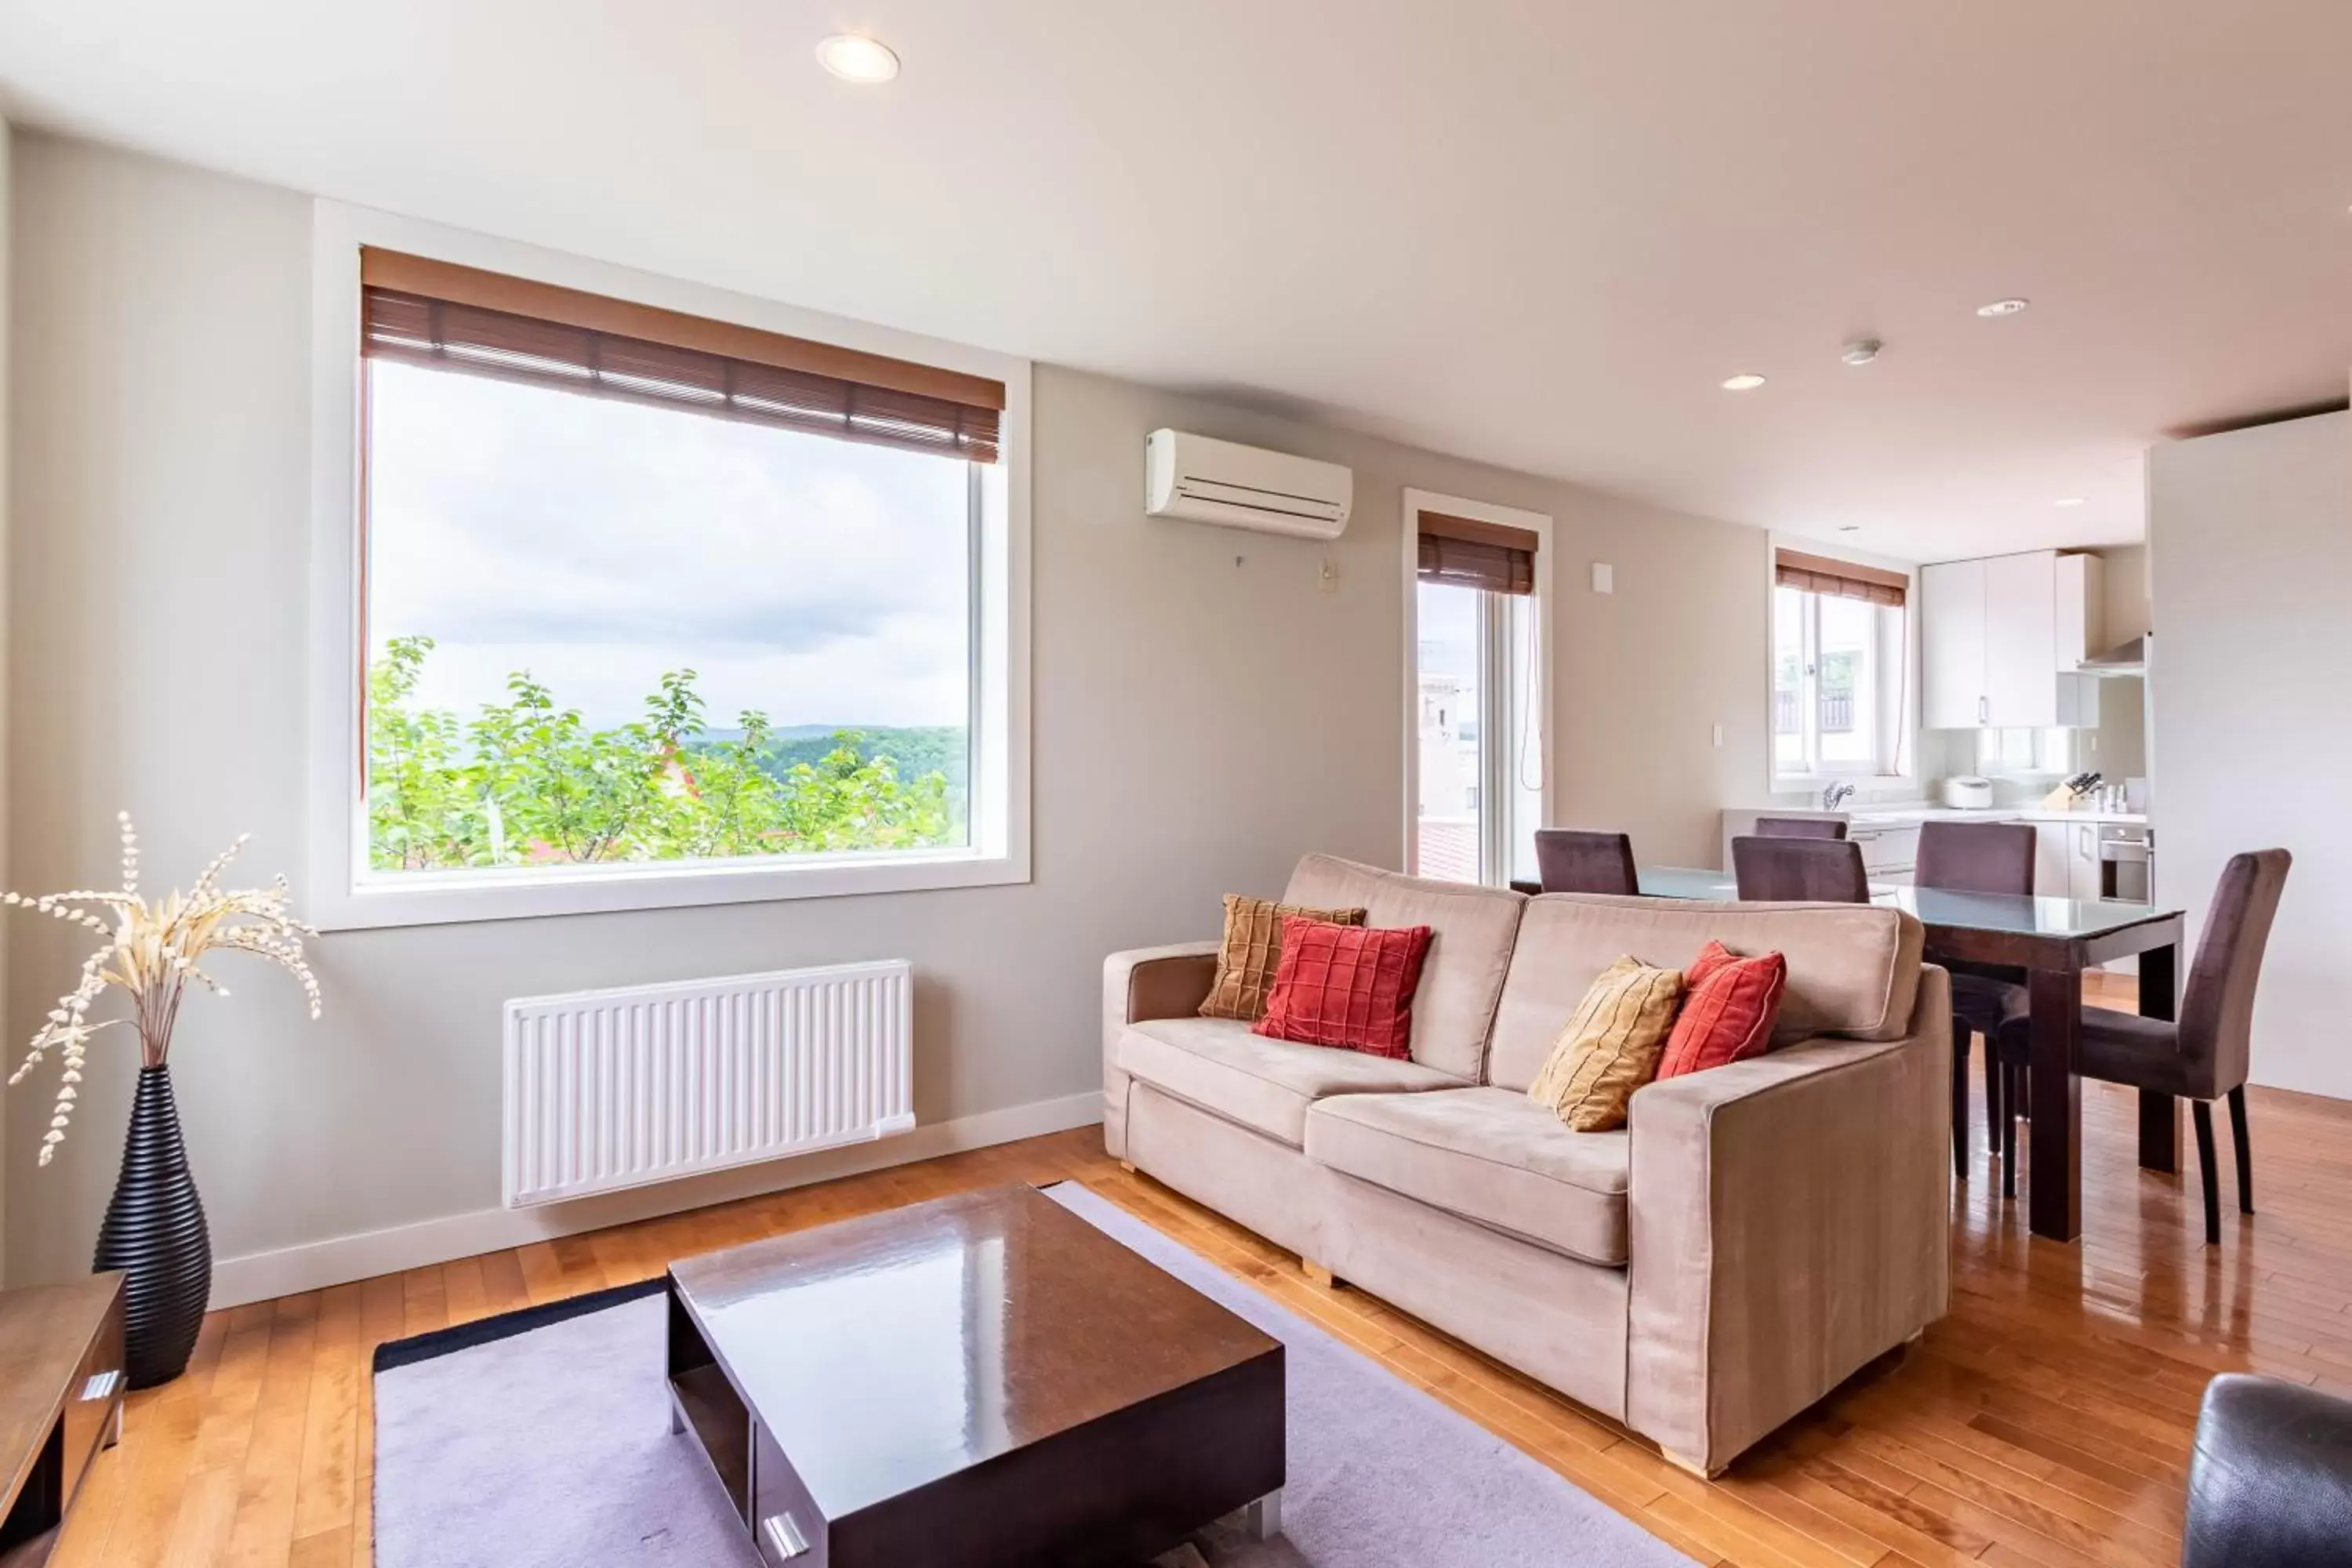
(1940, 906)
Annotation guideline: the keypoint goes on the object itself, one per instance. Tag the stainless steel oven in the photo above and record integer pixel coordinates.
(2127, 861)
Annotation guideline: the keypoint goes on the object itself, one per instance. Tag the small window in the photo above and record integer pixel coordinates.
(1838, 663)
(644, 592)
(2025, 752)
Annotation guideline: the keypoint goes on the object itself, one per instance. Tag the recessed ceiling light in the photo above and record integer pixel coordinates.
(1747, 381)
(853, 56)
(2004, 307)
(2068, 500)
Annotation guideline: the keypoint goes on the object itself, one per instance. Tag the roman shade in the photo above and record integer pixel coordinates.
(1468, 553)
(457, 317)
(1839, 579)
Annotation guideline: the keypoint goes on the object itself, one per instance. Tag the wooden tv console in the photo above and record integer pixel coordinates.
(61, 1384)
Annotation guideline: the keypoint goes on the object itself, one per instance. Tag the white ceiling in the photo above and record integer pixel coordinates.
(1535, 232)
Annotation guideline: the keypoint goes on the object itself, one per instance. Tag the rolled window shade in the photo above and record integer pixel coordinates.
(1468, 553)
(772, 380)
(1839, 579)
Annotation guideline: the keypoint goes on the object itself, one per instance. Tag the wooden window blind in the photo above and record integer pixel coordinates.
(1839, 579)
(1468, 553)
(484, 323)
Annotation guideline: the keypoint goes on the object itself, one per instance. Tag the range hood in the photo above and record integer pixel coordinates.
(2123, 658)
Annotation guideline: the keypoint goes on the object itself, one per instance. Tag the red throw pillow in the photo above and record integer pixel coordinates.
(1729, 1010)
(1349, 986)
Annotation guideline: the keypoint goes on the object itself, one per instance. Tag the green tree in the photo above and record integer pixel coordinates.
(528, 782)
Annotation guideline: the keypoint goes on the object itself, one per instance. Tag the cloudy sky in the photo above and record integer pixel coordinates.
(597, 544)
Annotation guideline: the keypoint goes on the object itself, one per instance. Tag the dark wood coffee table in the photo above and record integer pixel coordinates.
(983, 1379)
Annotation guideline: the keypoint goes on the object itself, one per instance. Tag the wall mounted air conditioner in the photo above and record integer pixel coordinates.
(1201, 480)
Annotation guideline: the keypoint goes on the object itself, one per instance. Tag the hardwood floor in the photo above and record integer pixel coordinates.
(2047, 1420)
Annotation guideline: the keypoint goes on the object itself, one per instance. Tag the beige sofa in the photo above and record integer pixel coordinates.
(1758, 1233)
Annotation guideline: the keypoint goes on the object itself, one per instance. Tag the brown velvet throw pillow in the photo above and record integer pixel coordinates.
(1252, 951)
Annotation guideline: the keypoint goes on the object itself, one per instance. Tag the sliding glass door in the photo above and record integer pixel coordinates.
(1449, 828)
(1478, 773)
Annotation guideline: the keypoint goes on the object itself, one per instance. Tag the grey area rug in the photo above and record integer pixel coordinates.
(550, 1448)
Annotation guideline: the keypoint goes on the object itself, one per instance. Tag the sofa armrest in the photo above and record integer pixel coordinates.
(1146, 983)
(2270, 1484)
(1789, 1220)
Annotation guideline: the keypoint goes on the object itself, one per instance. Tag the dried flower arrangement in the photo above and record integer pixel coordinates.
(151, 952)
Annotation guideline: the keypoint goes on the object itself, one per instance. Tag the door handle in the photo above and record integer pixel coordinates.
(1984, 710)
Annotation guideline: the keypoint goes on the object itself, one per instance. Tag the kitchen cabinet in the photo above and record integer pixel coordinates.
(2021, 638)
(2066, 859)
(1952, 646)
(1887, 851)
(1998, 650)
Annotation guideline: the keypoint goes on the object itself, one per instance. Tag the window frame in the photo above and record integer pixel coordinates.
(1506, 839)
(1894, 649)
(342, 896)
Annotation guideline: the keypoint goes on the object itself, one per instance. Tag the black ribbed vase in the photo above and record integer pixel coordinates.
(154, 1231)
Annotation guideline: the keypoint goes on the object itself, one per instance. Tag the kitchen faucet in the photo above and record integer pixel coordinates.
(1836, 795)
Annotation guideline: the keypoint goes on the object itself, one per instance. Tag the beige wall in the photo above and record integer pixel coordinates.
(2250, 535)
(7, 1062)
(1203, 713)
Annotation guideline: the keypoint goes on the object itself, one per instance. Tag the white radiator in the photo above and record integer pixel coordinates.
(618, 1089)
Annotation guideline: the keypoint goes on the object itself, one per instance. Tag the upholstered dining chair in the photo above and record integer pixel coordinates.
(1798, 870)
(1572, 861)
(1800, 827)
(2205, 1056)
(1979, 858)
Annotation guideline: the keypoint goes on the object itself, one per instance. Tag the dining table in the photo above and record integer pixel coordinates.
(2053, 942)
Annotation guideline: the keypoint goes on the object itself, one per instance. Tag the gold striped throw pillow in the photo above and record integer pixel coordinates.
(1611, 1046)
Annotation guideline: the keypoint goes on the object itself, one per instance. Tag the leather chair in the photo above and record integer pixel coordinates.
(1572, 861)
(2270, 1482)
(2205, 1056)
(1979, 858)
(1799, 827)
(1798, 870)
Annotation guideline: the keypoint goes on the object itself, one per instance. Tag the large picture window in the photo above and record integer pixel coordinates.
(643, 595)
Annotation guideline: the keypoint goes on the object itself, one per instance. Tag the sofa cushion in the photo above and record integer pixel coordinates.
(1469, 950)
(1853, 969)
(1266, 1085)
(1488, 1155)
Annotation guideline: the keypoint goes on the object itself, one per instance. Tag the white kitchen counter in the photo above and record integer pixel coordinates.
(1907, 814)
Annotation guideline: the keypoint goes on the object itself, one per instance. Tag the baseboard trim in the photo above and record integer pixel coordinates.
(314, 1266)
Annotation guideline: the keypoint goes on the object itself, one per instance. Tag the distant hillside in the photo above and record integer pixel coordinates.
(915, 752)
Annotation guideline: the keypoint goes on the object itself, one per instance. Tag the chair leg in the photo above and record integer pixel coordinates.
(1960, 1107)
(2245, 1150)
(2200, 1111)
(1996, 1103)
(2008, 1076)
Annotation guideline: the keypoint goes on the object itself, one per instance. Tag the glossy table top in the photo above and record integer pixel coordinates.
(885, 1353)
(2004, 912)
